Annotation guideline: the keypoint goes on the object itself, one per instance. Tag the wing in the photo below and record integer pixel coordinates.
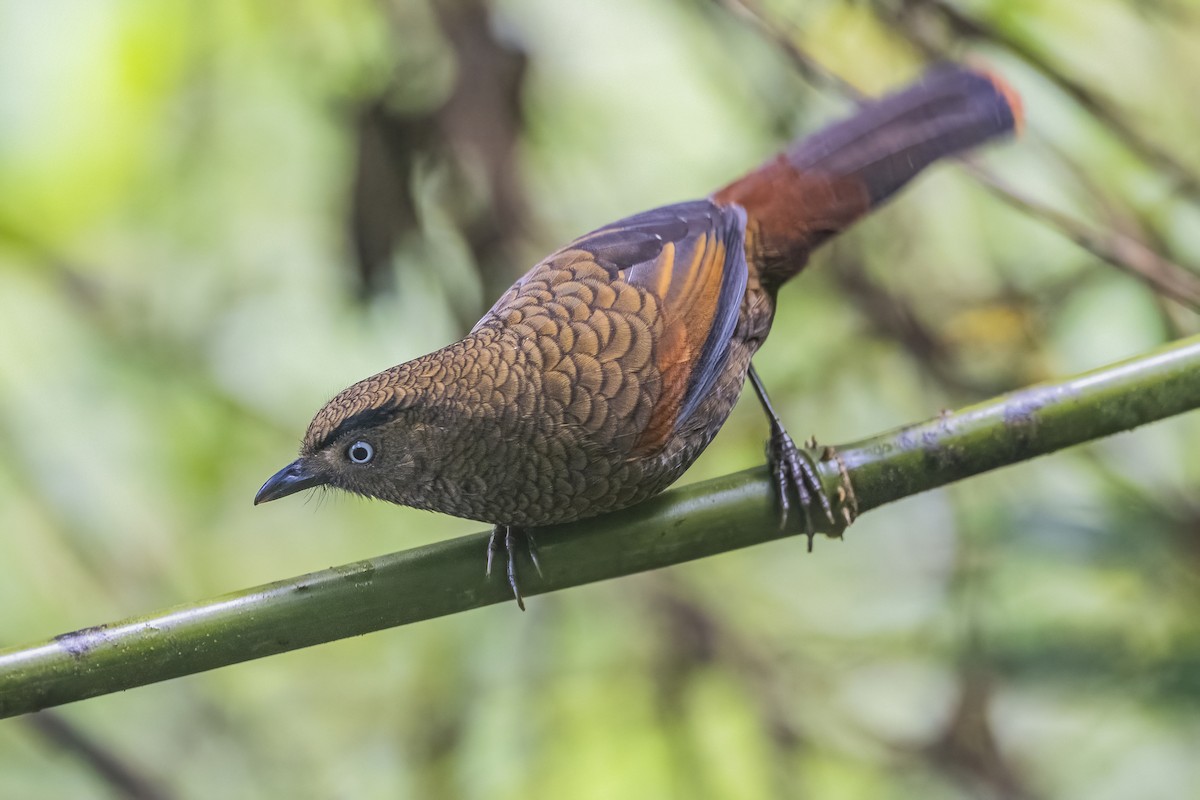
(691, 257)
(673, 279)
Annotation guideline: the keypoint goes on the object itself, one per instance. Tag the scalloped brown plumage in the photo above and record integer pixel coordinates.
(601, 375)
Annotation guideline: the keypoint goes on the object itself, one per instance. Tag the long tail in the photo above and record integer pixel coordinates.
(823, 183)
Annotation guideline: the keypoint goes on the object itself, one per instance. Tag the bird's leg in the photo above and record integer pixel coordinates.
(792, 468)
(508, 538)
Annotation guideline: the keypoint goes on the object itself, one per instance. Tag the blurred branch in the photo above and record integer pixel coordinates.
(967, 748)
(891, 317)
(1134, 224)
(812, 70)
(693, 637)
(685, 524)
(470, 137)
(1121, 250)
(121, 777)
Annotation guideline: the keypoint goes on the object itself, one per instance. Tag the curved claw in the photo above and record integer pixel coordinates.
(531, 548)
(509, 539)
(795, 471)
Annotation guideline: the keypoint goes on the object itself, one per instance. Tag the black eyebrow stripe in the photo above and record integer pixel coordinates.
(363, 419)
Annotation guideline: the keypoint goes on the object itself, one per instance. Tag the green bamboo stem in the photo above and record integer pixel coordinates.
(688, 523)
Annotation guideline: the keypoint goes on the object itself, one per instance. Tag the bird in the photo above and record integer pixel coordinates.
(600, 376)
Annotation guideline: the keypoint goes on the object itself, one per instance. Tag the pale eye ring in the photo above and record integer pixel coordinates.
(360, 452)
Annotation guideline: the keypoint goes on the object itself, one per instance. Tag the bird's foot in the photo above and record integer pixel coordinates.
(795, 473)
(509, 540)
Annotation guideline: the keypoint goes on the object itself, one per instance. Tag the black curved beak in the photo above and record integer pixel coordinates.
(293, 478)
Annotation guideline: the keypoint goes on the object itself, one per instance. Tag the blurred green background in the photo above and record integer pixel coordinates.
(214, 215)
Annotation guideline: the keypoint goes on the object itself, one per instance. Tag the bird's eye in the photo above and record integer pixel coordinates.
(361, 452)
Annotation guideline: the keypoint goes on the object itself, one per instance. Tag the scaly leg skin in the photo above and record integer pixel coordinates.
(509, 539)
(793, 469)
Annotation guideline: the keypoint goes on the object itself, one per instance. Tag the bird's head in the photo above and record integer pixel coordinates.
(373, 439)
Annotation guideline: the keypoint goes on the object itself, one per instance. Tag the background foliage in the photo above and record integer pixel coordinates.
(215, 215)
